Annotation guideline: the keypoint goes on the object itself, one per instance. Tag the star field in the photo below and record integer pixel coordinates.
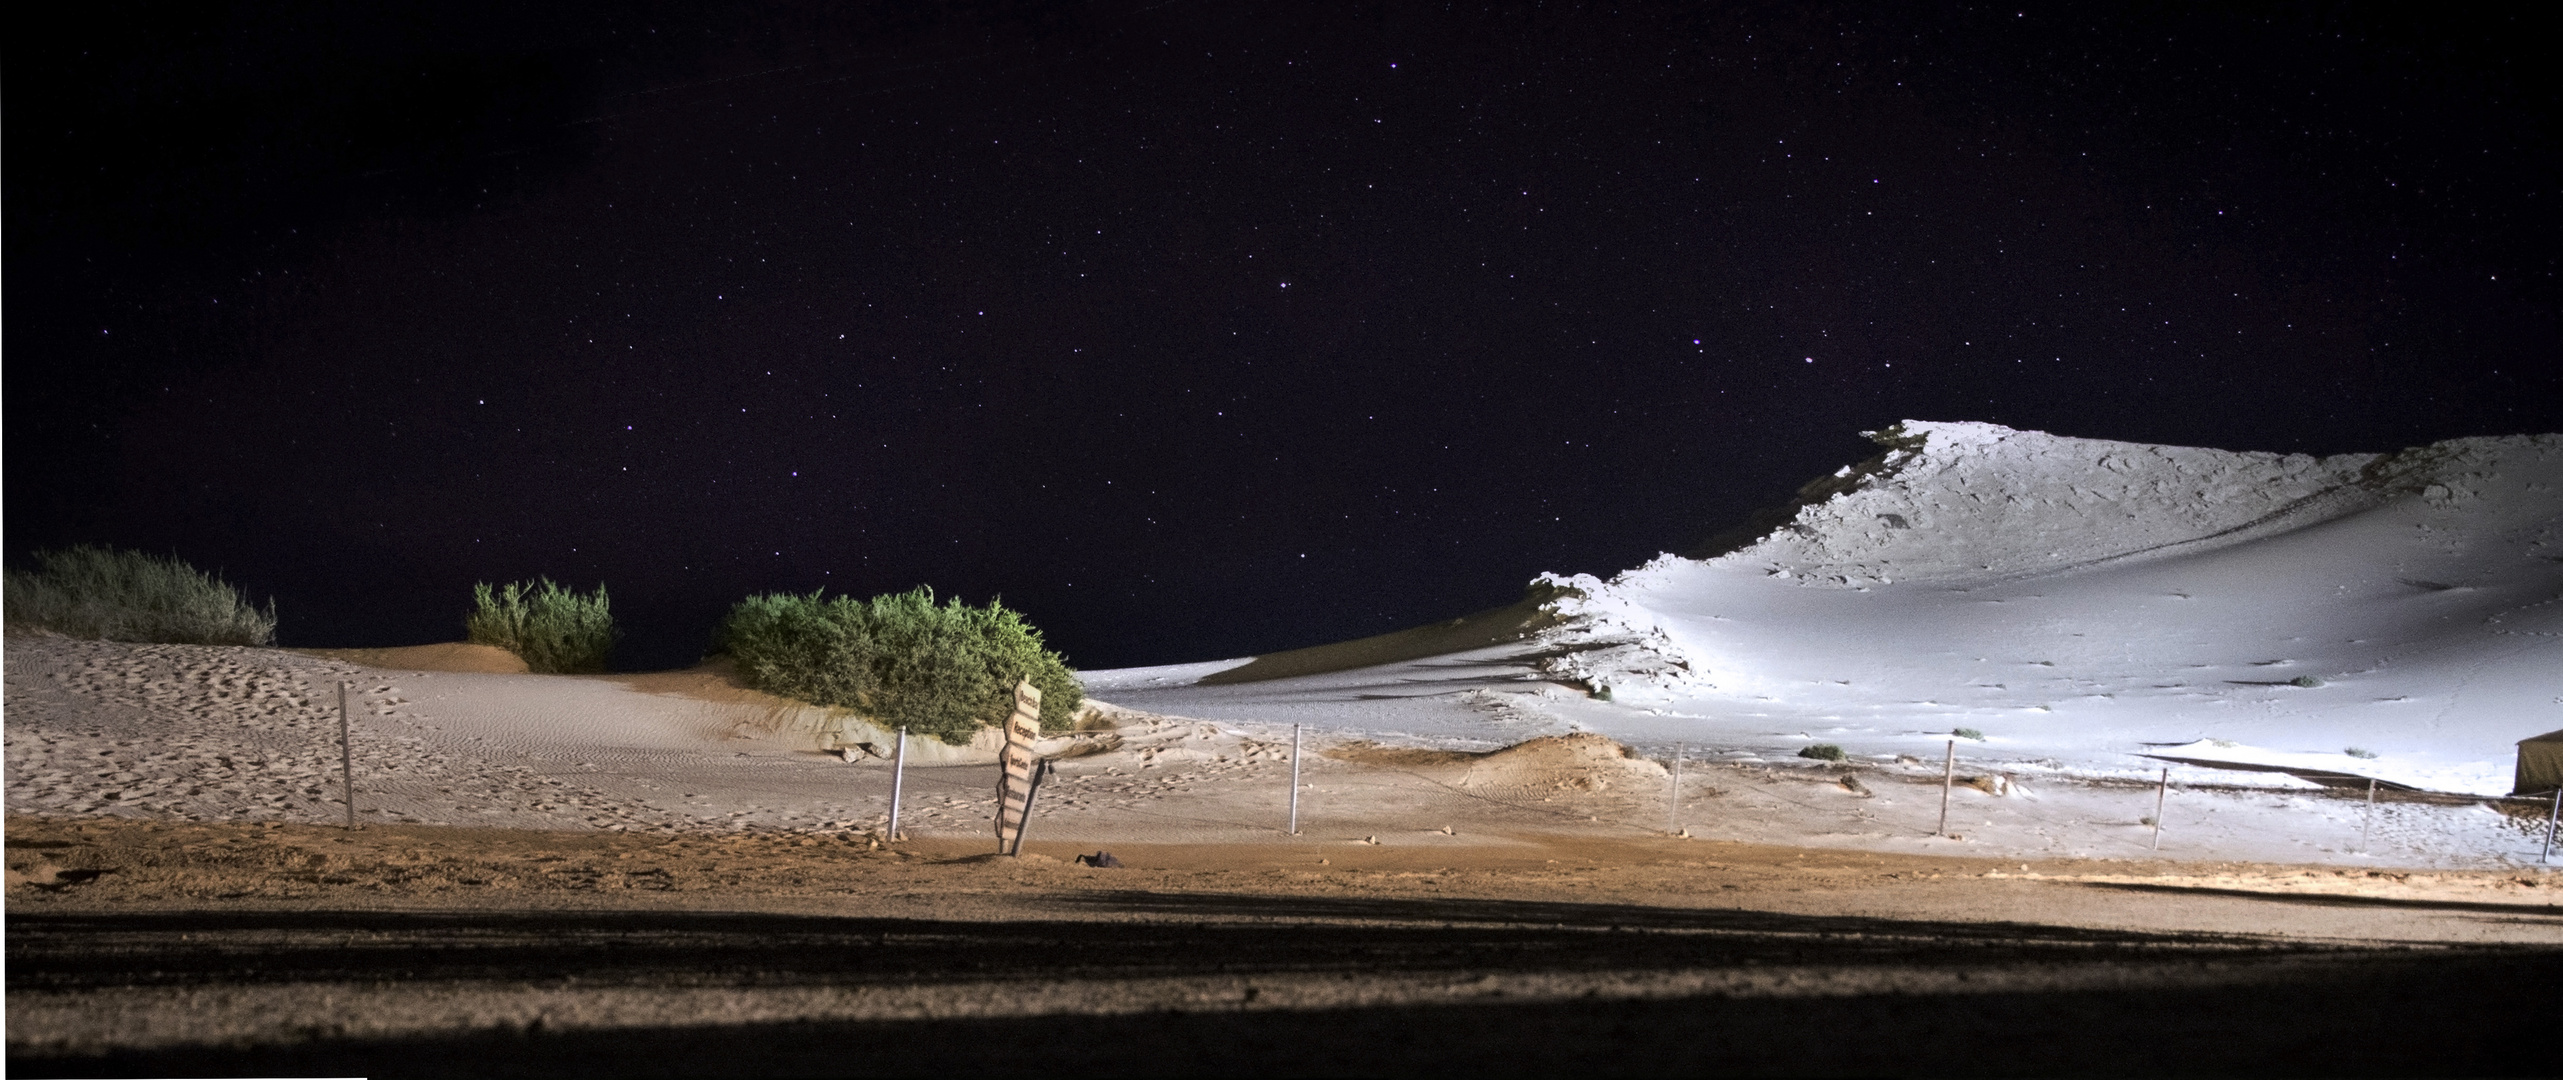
(1197, 330)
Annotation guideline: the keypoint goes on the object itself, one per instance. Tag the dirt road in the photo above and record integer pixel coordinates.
(167, 949)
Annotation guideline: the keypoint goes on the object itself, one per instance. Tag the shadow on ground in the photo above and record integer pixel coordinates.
(2186, 1003)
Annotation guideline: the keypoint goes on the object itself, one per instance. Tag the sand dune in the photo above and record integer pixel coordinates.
(195, 733)
(2392, 616)
(609, 860)
(2091, 612)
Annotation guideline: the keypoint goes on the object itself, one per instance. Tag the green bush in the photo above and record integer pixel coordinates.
(1969, 733)
(1823, 752)
(115, 595)
(2307, 681)
(944, 670)
(554, 630)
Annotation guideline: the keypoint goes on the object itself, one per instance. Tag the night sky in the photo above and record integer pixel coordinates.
(1200, 329)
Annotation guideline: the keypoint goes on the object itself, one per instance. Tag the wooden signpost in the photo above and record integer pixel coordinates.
(1019, 770)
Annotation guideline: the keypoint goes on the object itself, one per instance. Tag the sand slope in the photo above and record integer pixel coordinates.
(194, 733)
(2090, 613)
(2095, 611)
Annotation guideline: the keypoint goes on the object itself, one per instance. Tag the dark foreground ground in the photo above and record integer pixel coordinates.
(2182, 1006)
(1642, 959)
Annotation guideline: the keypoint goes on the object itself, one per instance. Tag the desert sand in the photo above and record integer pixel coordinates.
(548, 861)
(191, 733)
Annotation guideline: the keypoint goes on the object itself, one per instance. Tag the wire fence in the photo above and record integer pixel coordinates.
(1686, 777)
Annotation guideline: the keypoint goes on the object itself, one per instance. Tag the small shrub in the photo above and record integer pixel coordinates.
(944, 670)
(2359, 752)
(1969, 733)
(2307, 681)
(553, 629)
(1824, 752)
(112, 595)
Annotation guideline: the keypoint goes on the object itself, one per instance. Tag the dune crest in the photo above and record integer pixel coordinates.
(1960, 503)
(446, 656)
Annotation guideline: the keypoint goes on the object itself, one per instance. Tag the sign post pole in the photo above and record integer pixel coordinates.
(1018, 768)
(1040, 772)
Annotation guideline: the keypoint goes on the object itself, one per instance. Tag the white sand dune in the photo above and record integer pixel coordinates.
(2090, 607)
(2096, 611)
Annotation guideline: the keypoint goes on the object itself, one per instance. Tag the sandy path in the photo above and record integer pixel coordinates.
(213, 734)
(649, 875)
(110, 864)
(210, 734)
(216, 734)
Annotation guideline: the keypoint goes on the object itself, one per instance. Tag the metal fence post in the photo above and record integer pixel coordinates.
(1948, 776)
(2552, 818)
(898, 782)
(346, 755)
(1673, 795)
(2160, 794)
(2367, 829)
(1294, 779)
